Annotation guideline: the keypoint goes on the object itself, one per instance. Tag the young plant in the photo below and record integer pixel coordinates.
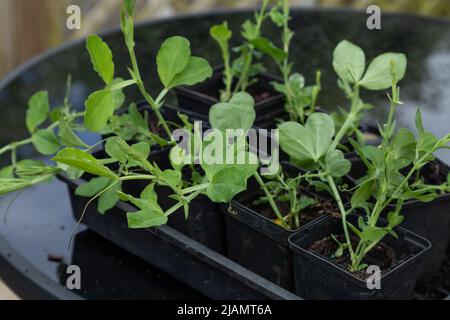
(391, 170)
(313, 147)
(301, 100)
(220, 183)
(349, 63)
(49, 132)
(241, 71)
(288, 192)
(175, 65)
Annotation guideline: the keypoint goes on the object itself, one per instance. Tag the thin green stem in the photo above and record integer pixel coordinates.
(271, 200)
(146, 95)
(137, 177)
(343, 215)
(195, 188)
(180, 204)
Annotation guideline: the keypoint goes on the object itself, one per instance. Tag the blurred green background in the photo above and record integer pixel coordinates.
(29, 27)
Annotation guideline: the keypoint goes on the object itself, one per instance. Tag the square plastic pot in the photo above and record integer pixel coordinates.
(430, 220)
(205, 223)
(258, 243)
(319, 278)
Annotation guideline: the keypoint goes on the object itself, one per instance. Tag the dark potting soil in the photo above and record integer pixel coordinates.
(435, 173)
(439, 286)
(382, 255)
(321, 208)
(254, 90)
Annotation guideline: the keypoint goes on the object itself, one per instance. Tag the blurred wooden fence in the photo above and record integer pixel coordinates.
(28, 27)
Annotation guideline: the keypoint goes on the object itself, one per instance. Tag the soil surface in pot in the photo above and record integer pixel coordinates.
(382, 255)
(435, 173)
(311, 213)
(258, 93)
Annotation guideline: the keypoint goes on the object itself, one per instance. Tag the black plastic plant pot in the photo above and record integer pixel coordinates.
(428, 219)
(199, 98)
(186, 260)
(256, 241)
(205, 223)
(319, 277)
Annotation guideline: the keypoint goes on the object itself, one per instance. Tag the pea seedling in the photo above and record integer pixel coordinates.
(243, 68)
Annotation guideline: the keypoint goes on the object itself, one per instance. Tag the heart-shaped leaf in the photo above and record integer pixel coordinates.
(336, 163)
(349, 61)
(46, 142)
(226, 183)
(379, 76)
(307, 143)
(173, 57)
(196, 71)
(238, 113)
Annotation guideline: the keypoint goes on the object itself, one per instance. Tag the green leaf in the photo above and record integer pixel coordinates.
(113, 149)
(149, 193)
(394, 219)
(56, 114)
(373, 234)
(355, 230)
(336, 163)
(38, 108)
(403, 146)
(379, 76)
(306, 202)
(81, 160)
(93, 187)
(196, 71)
(426, 141)
(45, 142)
(117, 94)
(171, 177)
(172, 59)
(349, 61)
(146, 218)
(277, 17)
(109, 198)
(222, 34)
(250, 31)
(268, 48)
(238, 113)
(101, 58)
(363, 193)
(129, 6)
(68, 136)
(99, 109)
(421, 196)
(246, 161)
(7, 172)
(226, 183)
(27, 169)
(137, 154)
(307, 143)
(136, 117)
